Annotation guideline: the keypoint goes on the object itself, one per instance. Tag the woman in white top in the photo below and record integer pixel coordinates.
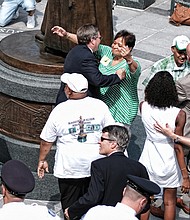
(164, 160)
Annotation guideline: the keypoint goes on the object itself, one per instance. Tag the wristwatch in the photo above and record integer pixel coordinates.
(176, 140)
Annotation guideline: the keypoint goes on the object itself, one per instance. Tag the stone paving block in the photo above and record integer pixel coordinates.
(141, 4)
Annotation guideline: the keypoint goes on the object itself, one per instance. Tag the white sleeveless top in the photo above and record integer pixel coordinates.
(158, 155)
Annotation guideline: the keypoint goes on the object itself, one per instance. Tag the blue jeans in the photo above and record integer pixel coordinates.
(9, 8)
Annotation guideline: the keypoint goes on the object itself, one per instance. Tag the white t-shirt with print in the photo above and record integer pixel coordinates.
(64, 125)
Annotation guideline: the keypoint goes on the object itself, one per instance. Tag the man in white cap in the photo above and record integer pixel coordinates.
(176, 64)
(76, 126)
(183, 90)
(136, 195)
(16, 181)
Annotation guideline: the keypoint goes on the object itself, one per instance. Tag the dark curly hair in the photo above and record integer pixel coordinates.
(161, 91)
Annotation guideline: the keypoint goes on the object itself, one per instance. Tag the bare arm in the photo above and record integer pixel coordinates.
(45, 147)
(63, 33)
(132, 64)
(126, 54)
(167, 130)
(145, 216)
(180, 122)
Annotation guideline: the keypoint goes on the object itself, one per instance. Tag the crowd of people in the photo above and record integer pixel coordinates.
(90, 126)
(114, 80)
(122, 98)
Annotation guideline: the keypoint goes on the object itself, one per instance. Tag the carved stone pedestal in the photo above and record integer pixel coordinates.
(29, 82)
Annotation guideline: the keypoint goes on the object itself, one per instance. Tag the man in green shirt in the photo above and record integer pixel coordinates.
(176, 64)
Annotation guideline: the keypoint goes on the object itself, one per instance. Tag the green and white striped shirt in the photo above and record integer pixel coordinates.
(122, 99)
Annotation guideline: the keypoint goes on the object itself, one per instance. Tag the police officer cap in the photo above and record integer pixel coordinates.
(143, 186)
(17, 178)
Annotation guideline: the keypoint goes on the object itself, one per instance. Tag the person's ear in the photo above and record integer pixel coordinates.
(66, 87)
(124, 190)
(143, 203)
(173, 49)
(3, 190)
(114, 144)
(67, 90)
(92, 41)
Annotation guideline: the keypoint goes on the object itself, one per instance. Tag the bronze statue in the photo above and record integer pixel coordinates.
(71, 14)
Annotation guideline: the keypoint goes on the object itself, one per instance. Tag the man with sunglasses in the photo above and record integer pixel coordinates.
(81, 59)
(109, 174)
(176, 64)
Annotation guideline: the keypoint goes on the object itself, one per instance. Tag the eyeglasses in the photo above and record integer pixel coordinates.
(100, 38)
(105, 139)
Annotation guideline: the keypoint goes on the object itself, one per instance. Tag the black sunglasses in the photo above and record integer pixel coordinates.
(106, 139)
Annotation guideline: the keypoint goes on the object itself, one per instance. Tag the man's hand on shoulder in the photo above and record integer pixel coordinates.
(121, 73)
(66, 214)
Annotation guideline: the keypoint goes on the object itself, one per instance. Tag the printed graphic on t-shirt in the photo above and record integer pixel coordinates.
(82, 127)
(82, 135)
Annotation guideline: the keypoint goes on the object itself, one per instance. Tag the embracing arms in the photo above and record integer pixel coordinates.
(180, 121)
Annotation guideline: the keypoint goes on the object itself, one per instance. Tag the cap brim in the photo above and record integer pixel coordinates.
(184, 48)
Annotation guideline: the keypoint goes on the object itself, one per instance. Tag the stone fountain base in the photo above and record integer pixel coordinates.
(29, 82)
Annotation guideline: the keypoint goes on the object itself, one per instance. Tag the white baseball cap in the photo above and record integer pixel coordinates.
(75, 81)
(180, 42)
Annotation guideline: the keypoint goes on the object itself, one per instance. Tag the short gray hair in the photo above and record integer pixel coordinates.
(118, 133)
(86, 32)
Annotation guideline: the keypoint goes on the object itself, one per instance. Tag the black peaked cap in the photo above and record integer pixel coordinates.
(17, 177)
(143, 186)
